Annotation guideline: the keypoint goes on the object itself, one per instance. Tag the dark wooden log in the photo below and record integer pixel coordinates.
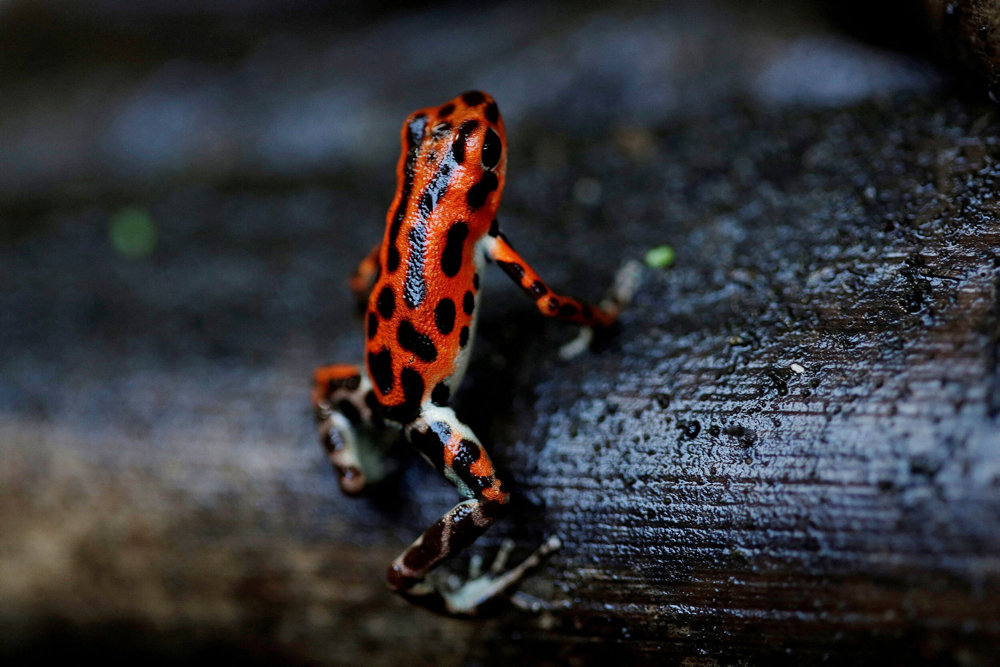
(968, 32)
(789, 452)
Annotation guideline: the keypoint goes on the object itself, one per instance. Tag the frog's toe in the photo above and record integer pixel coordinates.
(477, 592)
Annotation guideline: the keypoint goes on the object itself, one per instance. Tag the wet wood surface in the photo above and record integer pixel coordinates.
(789, 452)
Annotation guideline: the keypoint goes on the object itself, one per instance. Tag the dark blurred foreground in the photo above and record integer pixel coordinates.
(791, 451)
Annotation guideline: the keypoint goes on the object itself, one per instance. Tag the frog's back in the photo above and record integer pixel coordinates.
(421, 313)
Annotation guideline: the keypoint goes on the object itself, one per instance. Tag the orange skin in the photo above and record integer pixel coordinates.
(416, 240)
(420, 321)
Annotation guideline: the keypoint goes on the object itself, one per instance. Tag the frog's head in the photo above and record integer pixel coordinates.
(459, 146)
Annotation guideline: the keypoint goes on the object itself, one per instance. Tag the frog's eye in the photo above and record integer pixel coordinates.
(491, 149)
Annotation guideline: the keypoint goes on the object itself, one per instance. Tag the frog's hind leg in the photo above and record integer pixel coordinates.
(352, 435)
(454, 450)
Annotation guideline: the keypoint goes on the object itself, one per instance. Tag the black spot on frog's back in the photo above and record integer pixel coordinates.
(477, 194)
(392, 259)
(413, 394)
(386, 302)
(454, 247)
(380, 368)
(413, 341)
(444, 316)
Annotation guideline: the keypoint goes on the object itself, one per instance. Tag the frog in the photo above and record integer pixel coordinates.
(419, 290)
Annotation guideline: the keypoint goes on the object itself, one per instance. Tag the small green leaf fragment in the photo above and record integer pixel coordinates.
(660, 257)
(132, 232)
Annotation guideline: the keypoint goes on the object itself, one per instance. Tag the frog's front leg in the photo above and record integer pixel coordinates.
(454, 450)
(350, 432)
(600, 318)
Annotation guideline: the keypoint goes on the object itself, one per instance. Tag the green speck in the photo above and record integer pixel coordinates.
(660, 257)
(132, 232)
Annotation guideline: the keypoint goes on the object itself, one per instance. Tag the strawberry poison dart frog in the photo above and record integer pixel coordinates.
(423, 288)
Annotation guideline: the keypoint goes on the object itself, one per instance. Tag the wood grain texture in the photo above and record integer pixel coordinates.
(789, 453)
(811, 397)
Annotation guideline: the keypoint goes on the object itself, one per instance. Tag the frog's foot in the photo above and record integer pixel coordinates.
(578, 345)
(354, 444)
(338, 439)
(627, 280)
(480, 588)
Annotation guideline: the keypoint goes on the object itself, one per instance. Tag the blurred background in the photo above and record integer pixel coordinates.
(184, 188)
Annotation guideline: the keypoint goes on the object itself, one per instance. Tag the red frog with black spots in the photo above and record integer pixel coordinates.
(423, 284)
